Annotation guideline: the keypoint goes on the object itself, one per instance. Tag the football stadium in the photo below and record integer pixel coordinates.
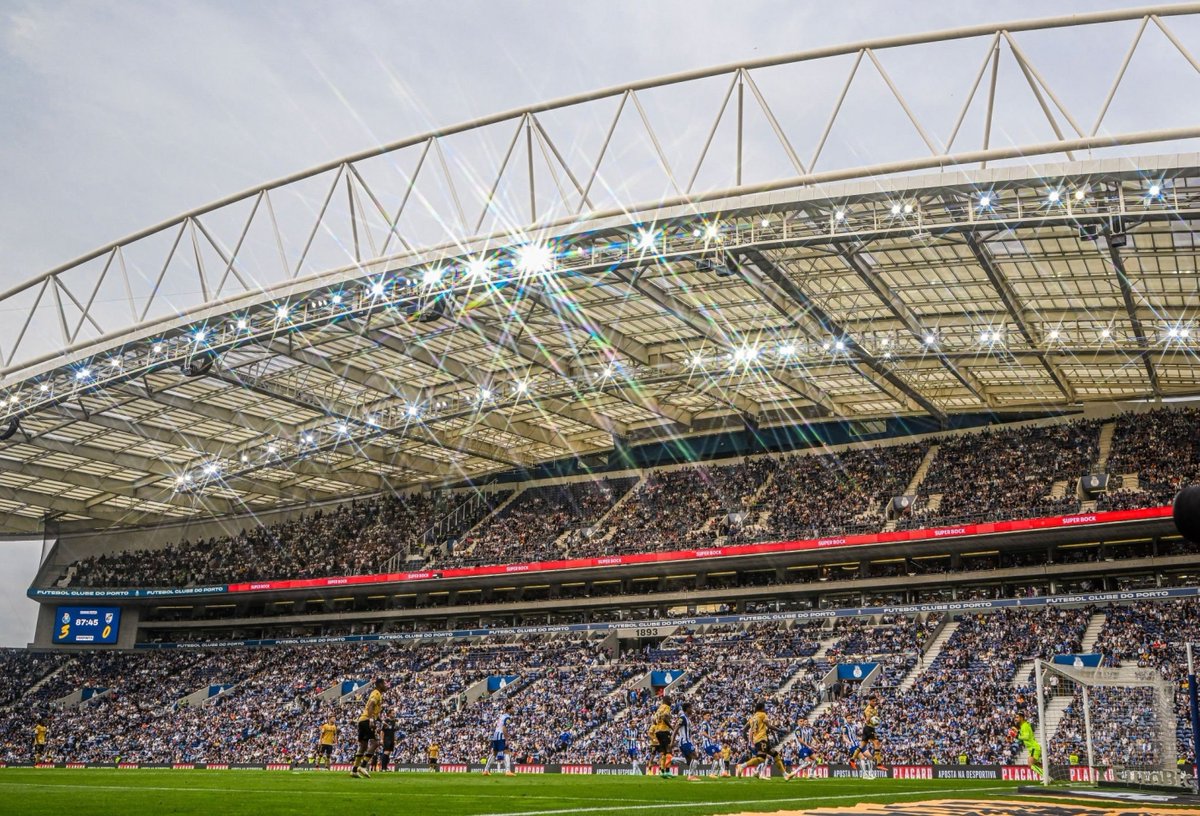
(813, 434)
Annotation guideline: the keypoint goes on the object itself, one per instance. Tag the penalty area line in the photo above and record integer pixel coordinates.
(744, 802)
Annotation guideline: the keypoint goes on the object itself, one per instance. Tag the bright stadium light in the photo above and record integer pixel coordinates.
(157, 349)
(697, 360)
(766, 222)
(307, 439)
(712, 232)
(377, 288)
(479, 269)
(930, 339)
(485, 395)
(432, 276)
(908, 208)
(985, 201)
(336, 300)
(1053, 334)
(212, 468)
(83, 373)
(1106, 332)
(840, 215)
(342, 428)
(696, 233)
(44, 387)
(787, 350)
(1053, 196)
(271, 450)
(896, 208)
(534, 258)
(242, 324)
(114, 362)
(281, 313)
(245, 458)
(199, 335)
(885, 342)
(521, 387)
(645, 239)
(1081, 194)
(413, 410)
(1155, 190)
(840, 345)
(746, 354)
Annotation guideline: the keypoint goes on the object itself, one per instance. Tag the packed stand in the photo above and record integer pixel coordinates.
(680, 509)
(848, 492)
(350, 539)
(1162, 448)
(964, 702)
(529, 527)
(576, 702)
(1006, 474)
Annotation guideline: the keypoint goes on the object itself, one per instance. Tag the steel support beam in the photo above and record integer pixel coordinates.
(1135, 322)
(538, 355)
(714, 334)
(1018, 313)
(614, 338)
(898, 308)
(394, 391)
(882, 377)
(478, 378)
(113, 487)
(334, 410)
(60, 504)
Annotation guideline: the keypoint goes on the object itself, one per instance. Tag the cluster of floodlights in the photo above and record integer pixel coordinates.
(527, 259)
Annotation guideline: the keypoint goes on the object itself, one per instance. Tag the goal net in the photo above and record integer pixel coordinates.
(1107, 724)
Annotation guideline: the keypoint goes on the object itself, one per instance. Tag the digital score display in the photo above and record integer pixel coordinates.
(87, 624)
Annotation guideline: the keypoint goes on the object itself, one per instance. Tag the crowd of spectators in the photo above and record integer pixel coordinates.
(1125, 721)
(963, 703)
(1008, 473)
(680, 509)
(848, 492)
(349, 539)
(576, 701)
(980, 476)
(1160, 448)
(529, 527)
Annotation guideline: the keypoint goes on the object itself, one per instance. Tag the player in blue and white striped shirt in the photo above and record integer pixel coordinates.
(499, 752)
(683, 738)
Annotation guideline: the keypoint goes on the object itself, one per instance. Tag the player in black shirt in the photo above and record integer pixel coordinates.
(388, 742)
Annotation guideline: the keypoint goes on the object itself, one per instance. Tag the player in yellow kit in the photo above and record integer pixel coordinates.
(366, 729)
(660, 736)
(325, 742)
(39, 741)
(759, 734)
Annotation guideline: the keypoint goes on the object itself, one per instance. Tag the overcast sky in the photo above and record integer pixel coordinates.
(116, 115)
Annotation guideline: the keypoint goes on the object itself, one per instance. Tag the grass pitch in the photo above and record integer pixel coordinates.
(32, 792)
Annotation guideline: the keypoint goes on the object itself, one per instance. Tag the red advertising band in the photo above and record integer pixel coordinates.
(865, 539)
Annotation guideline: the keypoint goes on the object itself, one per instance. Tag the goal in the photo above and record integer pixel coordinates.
(1106, 724)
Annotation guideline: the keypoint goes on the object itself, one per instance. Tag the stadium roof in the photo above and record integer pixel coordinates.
(529, 286)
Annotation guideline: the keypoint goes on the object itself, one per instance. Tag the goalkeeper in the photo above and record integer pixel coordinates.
(1024, 733)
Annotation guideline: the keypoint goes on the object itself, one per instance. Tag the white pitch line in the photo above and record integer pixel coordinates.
(740, 802)
(365, 790)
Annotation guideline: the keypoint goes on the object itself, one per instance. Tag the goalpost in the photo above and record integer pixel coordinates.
(1110, 724)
